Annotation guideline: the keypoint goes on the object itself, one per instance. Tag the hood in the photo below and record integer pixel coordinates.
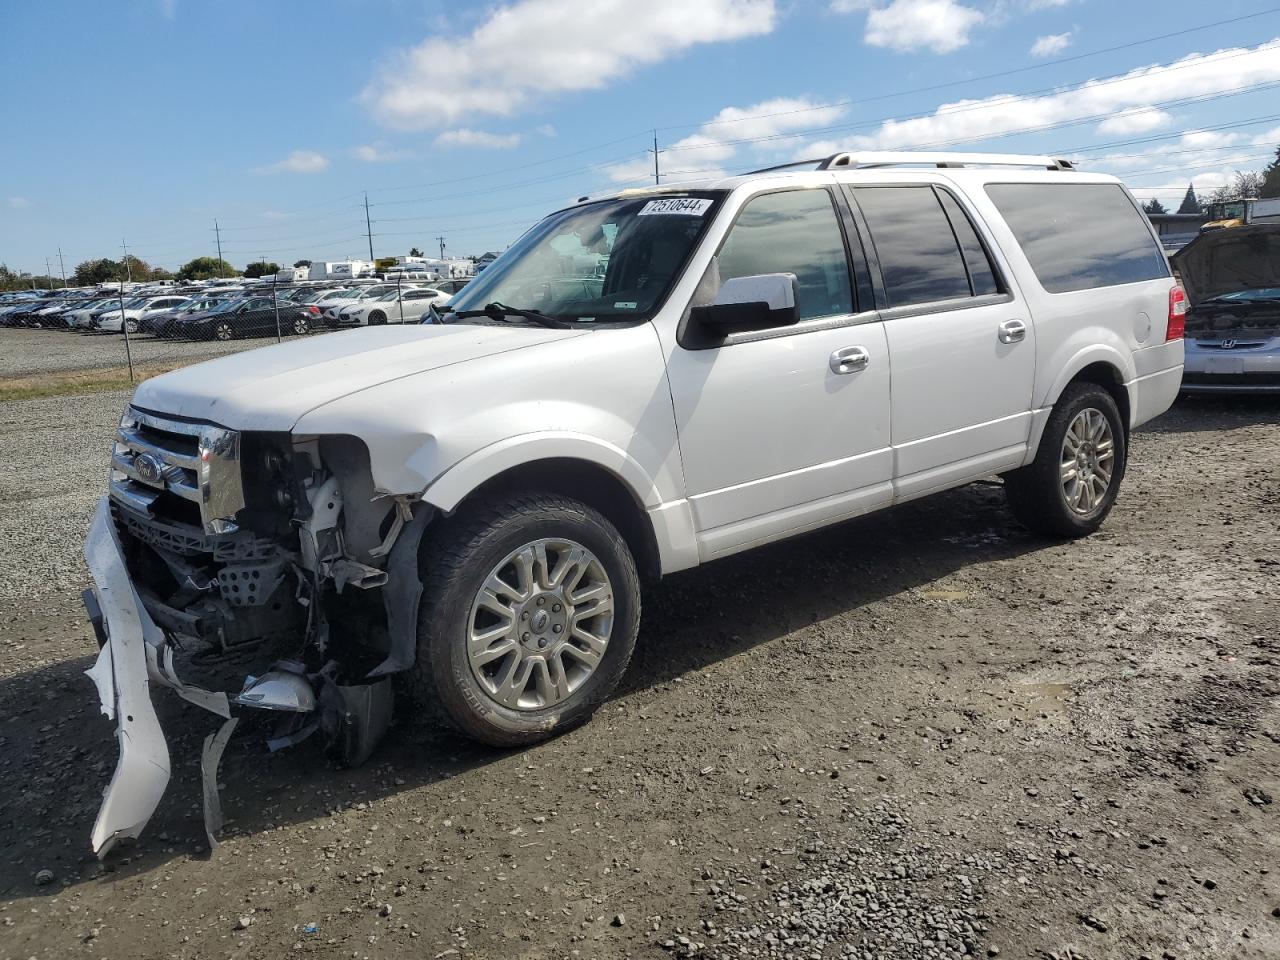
(1230, 260)
(272, 387)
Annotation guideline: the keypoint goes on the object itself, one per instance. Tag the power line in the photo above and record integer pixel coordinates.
(979, 79)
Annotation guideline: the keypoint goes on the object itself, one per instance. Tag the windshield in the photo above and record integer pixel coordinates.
(601, 262)
(1228, 210)
(1264, 293)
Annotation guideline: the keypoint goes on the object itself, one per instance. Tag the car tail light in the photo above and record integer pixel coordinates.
(1177, 313)
(314, 311)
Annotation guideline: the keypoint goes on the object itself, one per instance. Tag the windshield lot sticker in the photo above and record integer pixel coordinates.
(684, 206)
(625, 305)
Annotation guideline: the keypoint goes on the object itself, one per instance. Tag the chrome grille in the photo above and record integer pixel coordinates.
(197, 462)
(1235, 344)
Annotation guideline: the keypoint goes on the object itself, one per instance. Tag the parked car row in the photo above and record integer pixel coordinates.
(226, 313)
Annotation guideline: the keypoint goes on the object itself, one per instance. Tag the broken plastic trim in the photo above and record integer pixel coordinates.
(135, 653)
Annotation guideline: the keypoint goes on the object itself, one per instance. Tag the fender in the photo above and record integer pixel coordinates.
(1093, 353)
(451, 487)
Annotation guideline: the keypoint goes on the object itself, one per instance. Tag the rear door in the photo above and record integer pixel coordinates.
(961, 342)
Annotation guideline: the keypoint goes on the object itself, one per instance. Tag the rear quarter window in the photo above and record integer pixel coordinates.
(1079, 236)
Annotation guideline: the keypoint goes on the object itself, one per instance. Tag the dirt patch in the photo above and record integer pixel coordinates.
(920, 734)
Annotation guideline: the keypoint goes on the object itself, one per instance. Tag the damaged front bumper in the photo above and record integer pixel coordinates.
(136, 653)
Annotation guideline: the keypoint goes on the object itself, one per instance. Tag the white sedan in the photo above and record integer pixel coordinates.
(409, 308)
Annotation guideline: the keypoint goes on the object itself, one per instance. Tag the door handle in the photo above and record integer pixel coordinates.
(850, 360)
(1012, 331)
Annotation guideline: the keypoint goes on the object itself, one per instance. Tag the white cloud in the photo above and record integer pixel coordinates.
(478, 138)
(19, 203)
(964, 123)
(1047, 46)
(299, 161)
(704, 152)
(1140, 120)
(905, 25)
(378, 152)
(546, 130)
(526, 52)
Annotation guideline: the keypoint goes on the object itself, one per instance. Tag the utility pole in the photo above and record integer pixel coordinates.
(441, 239)
(128, 267)
(62, 267)
(218, 233)
(47, 272)
(657, 179)
(368, 225)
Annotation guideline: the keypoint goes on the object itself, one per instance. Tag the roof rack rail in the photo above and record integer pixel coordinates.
(872, 159)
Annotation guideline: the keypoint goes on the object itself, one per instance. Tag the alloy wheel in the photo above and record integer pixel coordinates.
(1088, 461)
(540, 624)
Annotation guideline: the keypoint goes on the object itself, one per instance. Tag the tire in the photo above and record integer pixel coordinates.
(1043, 496)
(131, 327)
(301, 326)
(223, 331)
(377, 318)
(462, 554)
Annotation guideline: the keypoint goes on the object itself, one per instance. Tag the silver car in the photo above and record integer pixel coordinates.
(1232, 279)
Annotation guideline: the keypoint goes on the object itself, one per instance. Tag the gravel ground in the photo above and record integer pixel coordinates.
(25, 352)
(55, 451)
(922, 734)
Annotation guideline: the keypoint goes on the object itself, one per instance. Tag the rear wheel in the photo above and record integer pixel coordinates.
(222, 330)
(529, 614)
(1070, 487)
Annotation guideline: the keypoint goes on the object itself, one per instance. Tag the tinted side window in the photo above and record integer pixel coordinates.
(792, 232)
(1079, 235)
(982, 277)
(919, 259)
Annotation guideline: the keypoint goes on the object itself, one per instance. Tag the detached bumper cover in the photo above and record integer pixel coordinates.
(135, 654)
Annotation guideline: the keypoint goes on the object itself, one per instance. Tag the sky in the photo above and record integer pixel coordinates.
(142, 122)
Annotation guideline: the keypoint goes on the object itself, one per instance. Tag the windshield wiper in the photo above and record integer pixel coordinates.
(500, 311)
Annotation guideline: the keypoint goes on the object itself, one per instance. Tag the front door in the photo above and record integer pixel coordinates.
(786, 429)
(960, 339)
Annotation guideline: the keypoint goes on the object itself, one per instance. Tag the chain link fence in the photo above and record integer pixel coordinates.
(149, 329)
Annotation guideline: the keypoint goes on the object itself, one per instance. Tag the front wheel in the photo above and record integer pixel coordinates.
(1070, 487)
(131, 327)
(529, 614)
(377, 318)
(301, 326)
(223, 330)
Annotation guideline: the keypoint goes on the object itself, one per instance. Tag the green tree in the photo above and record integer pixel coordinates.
(1154, 206)
(302, 263)
(160, 273)
(1190, 202)
(260, 269)
(206, 268)
(92, 272)
(1271, 178)
(415, 252)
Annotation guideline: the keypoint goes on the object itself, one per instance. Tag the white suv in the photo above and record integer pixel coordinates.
(642, 383)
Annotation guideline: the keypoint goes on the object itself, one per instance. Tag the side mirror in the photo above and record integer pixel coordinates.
(758, 302)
